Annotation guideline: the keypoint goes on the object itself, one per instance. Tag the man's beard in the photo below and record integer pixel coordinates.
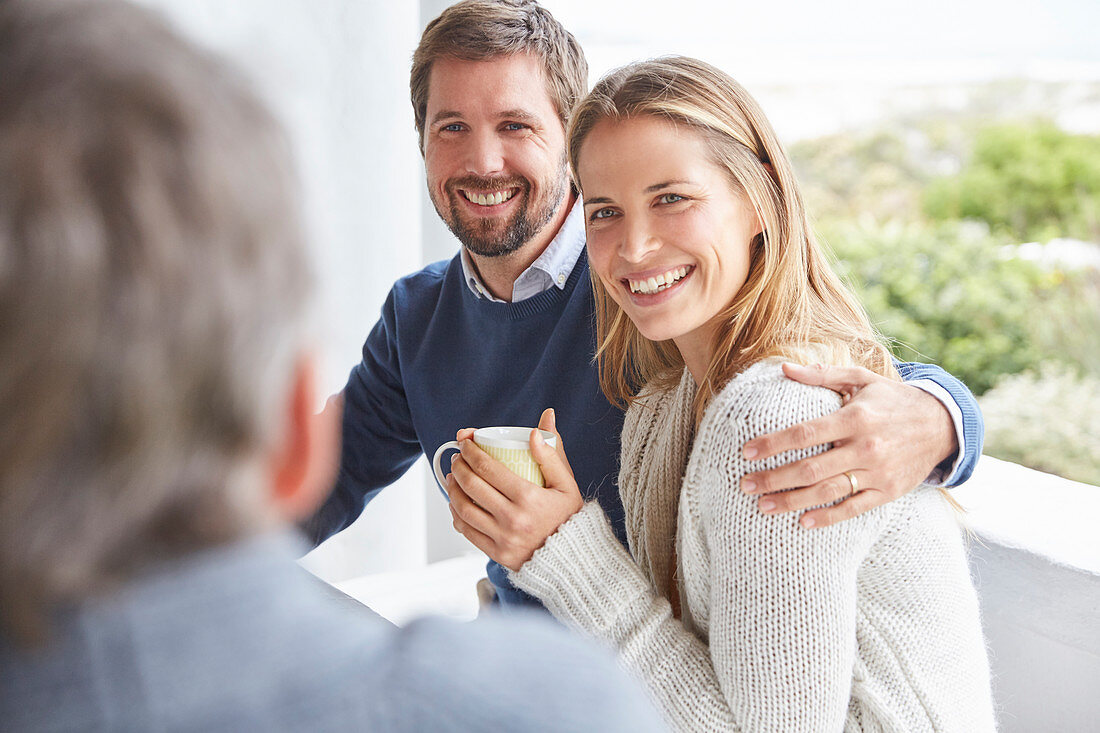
(491, 237)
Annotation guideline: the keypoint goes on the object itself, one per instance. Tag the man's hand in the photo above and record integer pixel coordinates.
(503, 515)
(888, 436)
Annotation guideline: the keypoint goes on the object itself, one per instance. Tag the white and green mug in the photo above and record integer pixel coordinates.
(509, 445)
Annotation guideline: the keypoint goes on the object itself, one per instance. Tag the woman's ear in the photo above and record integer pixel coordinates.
(303, 464)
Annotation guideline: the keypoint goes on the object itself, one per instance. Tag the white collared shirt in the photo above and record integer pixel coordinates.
(551, 269)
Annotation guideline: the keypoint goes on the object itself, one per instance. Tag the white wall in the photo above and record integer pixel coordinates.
(336, 72)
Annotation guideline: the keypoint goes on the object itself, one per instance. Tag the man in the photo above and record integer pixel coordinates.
(505, 328)
(157, 431)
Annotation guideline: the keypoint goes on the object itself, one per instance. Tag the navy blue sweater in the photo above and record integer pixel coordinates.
(441, 359)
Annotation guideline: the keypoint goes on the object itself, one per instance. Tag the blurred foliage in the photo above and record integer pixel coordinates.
(1047, 420)
(925, 219)
(953, 294)
(1034, 182)
(879, 175)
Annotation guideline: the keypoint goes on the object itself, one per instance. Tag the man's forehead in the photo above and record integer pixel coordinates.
(512, 86)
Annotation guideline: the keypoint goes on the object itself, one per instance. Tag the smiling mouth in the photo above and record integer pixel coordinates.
(489, 198)
(657, 283)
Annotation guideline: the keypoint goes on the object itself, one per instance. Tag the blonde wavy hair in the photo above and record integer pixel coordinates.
(792, 304)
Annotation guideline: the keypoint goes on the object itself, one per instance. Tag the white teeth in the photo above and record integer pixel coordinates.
(658, 283)
(490, 199)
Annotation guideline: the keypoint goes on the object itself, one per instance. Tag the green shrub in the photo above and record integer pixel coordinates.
(1046, 420)
(953, 295)
(1033, 182)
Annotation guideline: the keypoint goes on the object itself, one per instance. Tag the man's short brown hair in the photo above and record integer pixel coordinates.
(479, 30)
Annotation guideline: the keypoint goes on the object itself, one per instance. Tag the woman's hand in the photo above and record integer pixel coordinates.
(503, 515)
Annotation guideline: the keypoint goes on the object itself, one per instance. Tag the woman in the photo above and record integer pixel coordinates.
(706, 276)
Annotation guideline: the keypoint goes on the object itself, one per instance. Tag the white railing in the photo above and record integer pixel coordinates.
(1035, 558)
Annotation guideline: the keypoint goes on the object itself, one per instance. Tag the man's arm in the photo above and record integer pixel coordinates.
(888, 438)
(379, 442)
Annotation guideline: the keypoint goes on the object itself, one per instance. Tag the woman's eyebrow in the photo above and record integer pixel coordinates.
(597, 200)
(666, 184)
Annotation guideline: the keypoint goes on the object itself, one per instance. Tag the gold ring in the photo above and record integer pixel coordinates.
(855, 484)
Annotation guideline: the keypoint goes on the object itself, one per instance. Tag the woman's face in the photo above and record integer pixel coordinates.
(668, 234)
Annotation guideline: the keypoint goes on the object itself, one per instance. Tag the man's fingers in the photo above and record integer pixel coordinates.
(863, 501)
(836, 378)
(830, 490)
(803, 473)
(831, 428)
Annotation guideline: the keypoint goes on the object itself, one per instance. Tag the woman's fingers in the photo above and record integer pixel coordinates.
(478, 539)
(475, 489)
(497, 483)
(555, 470)
(549, 421)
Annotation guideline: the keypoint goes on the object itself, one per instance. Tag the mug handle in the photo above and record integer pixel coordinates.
(440, 479)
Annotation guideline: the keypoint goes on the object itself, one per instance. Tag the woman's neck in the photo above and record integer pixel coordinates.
(697, 350)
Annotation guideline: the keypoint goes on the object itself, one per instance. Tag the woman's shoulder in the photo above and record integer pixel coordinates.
(761, 399)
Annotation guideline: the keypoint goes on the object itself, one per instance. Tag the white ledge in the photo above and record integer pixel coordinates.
(1034, 511)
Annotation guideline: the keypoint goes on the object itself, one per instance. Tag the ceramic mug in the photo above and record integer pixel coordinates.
(509, 445)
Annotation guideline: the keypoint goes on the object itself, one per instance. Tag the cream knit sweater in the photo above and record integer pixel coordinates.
(871, 624)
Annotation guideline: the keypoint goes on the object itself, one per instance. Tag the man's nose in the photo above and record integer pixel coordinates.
(485, 155)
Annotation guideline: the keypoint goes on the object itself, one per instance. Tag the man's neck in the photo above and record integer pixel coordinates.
(499, 274)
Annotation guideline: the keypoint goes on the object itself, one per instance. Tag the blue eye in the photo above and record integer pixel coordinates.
(602, 214)
(453, 127)
(515, 126)
(670, 198)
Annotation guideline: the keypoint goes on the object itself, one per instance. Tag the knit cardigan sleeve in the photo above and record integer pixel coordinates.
(778, 602)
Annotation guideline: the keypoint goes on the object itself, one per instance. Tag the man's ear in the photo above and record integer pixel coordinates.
(303, 464)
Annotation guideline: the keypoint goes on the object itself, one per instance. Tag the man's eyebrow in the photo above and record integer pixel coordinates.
(518, 114)
(445, 114)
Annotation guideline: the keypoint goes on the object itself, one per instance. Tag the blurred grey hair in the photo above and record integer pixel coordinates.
(153, 286)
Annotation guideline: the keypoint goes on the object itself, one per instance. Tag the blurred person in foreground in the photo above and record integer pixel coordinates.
(157, 432)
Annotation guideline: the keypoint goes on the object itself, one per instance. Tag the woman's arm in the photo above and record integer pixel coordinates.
(778, 601)
(782, 598)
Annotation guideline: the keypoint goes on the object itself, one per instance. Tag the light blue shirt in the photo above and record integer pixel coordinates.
(550, 270)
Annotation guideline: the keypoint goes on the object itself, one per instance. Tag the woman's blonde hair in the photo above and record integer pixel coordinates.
(792, 304)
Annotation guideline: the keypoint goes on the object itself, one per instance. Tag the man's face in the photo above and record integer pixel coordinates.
(494, 151)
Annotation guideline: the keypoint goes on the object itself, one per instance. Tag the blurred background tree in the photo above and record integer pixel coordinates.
(1034, 182)
(926, 218)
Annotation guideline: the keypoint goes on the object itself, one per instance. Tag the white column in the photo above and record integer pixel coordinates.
(336, 72)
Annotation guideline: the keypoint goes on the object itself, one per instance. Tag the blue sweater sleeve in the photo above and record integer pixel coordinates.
(379, 441)
(973, 426)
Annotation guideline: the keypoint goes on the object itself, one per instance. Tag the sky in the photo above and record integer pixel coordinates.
(782, 41)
